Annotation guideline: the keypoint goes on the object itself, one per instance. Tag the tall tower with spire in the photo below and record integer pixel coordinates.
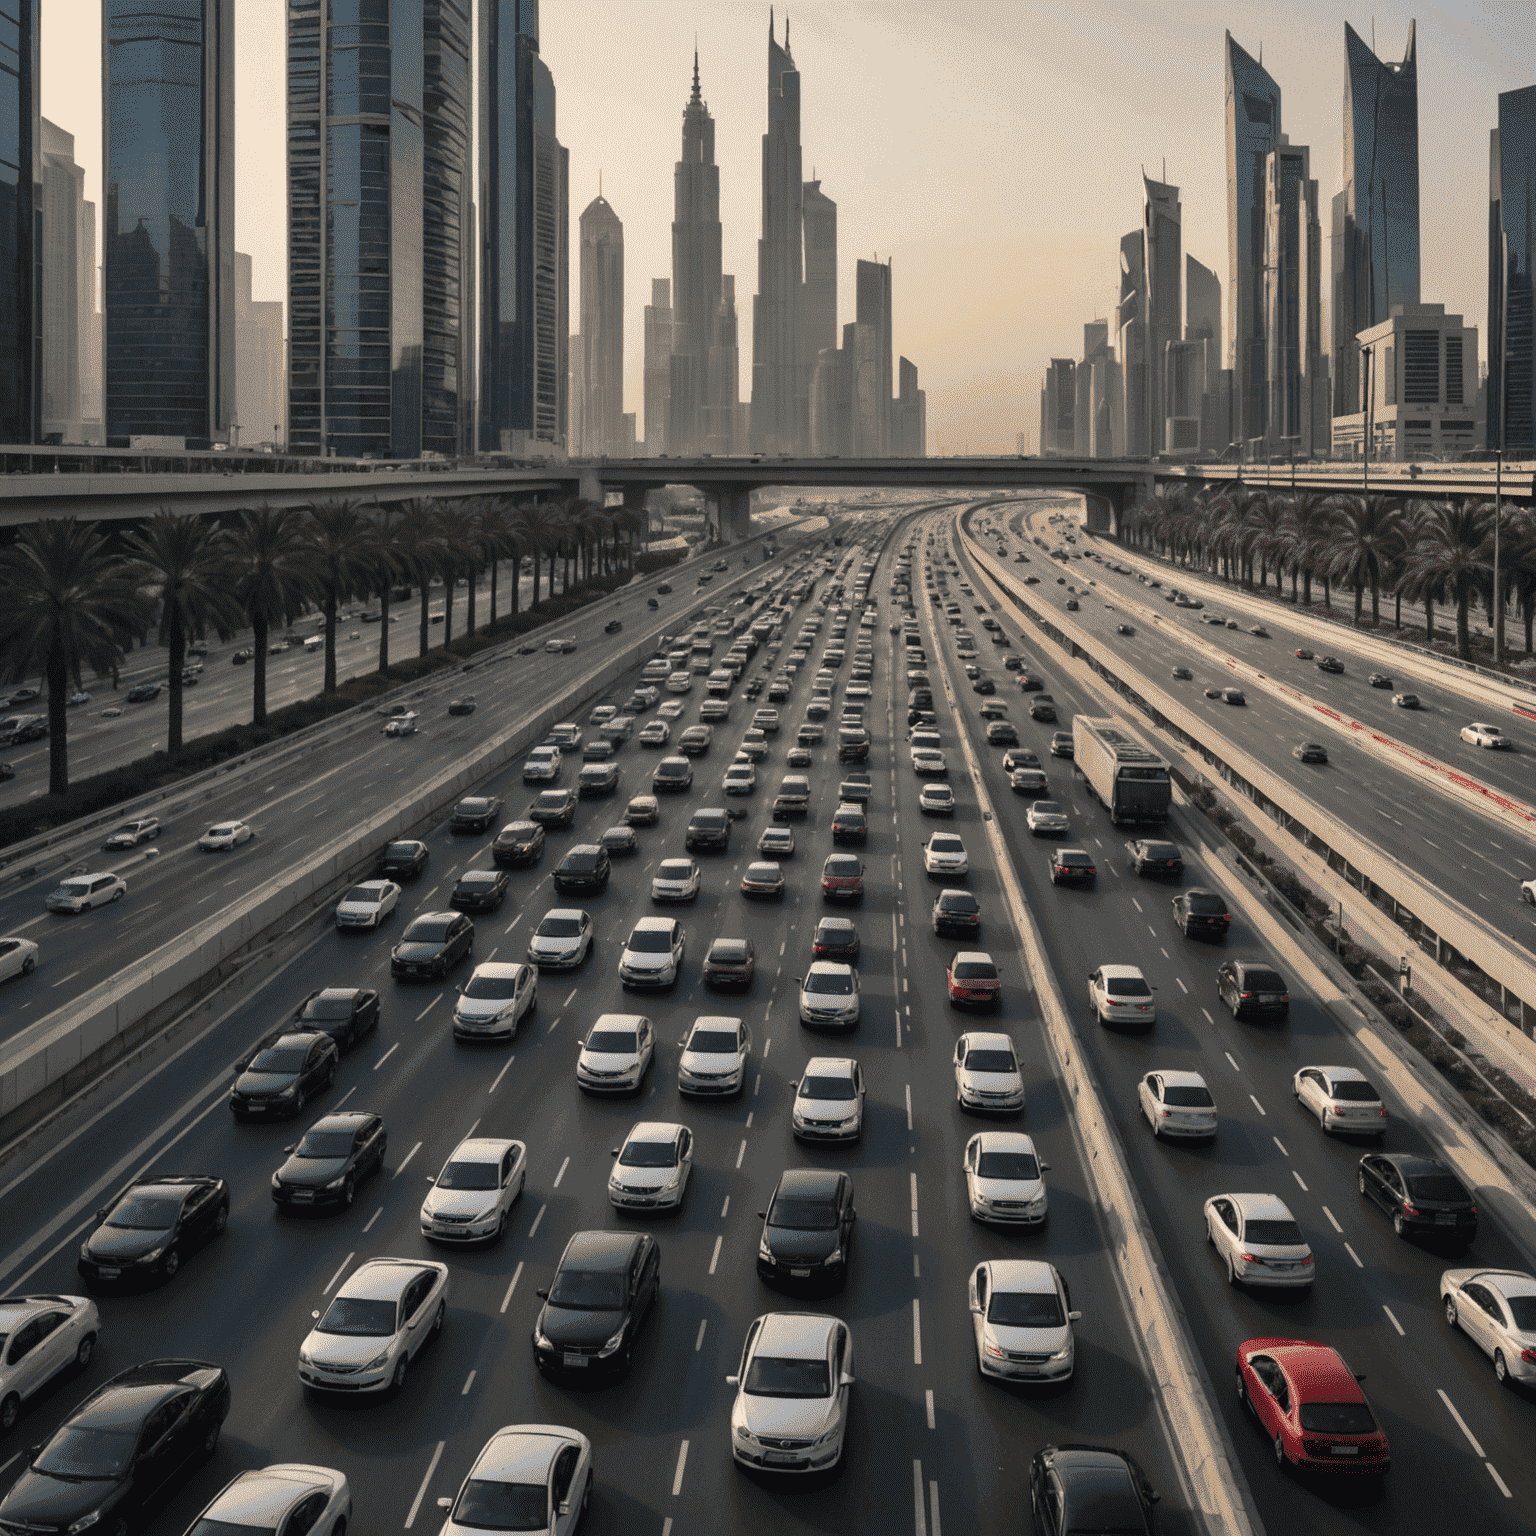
(780, 375)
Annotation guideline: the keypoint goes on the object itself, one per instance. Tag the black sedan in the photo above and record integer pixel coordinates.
(1329, 664)
(463, 706)
(1151, 856)
(984, 685)
(474, 814)
(597, 1305)
(129, 1447)
(337, 1153)
(554, 808)
(1089, 1488)
(404, 860)
(807, 1228)
(586, 867)
(612, 627)
(433, 944)
(147, 1229)
(281, 1079)
(518, 843)
(1379, 680)
(836, 938)
(479, 890)
(1421, 1195)
(1000, 733)
(143, 693)
(1310, 752)
(346, 1014)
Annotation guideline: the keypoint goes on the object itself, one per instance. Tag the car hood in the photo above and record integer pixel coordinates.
(120, 840)
(1010, 1189)
(826, 1109)
(709, 1061)
(659, 884)
(459, 1202)
(832, 1002)
(791, 1243)
(546, 944)
(1032, 1340)
(260, 1084)
(417, 949)
(51, 1503)
(310, 1172)
(787, 1418)
(647, 1179)
(358, 908)
(991, 1082)
(344, 1348)
(571, 1325)
(123, 1242)
(635, 961)
(483, 1007)
(609, 1061)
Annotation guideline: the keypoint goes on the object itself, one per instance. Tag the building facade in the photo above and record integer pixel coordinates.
(910, 415)
(872, 299)
(658, 358)
(1292, 299)
(21, 175)
(600, 404)
(819, 307)
(1163, 220)
(68, 294)
(1202, 323)
(1135, 411)
(1512, 277)
(1058, 408)
(260, 358)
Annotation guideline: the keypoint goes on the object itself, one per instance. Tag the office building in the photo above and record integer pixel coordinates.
(1058, 408)
(1135, 410)
(1163, 223)
(1252, 130)
(523, 219)
(1202, 323)
(819, 307)
(658, 361)
(68, 296)
(1084, 424)
(260, 361)
(21, 175)
(910, 415)
(723, 428)
(872, 298)
(1511, 400)
(1292, 299)
(1375, 219)
(600, 401)
(168, 130)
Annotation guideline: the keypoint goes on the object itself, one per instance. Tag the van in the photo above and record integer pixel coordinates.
(314, 643)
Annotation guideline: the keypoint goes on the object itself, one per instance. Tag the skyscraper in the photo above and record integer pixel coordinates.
(658, 357)
(1202, 324)
(1292, 298)
(1511, 266)
(1253, 130)
(1164, 217)
(168, 130)
(722, 385)
(602, 328)
(20, 247)
(819, 309)
(69, 259)
(259, 357)
(1135, 411)
(911, 415)
(780, 377)
(872, 296)
(1375, 258)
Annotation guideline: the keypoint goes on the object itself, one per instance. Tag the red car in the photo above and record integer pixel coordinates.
(1304, 655)
(842, 878)
(972, 980)
(1311, 1407)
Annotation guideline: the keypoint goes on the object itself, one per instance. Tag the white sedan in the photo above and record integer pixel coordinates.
(1021, 1313)
(529, 1477)
(18, 957)
(368, 904)
(791, 1407)
(494, 1000)
(1258, 1241)
(680, 682)
(670, 709)
(287, 1496)
(657, 733)
(740, 779)
(987, 1074)
(653, 1167)
(928, 762)
(1481, 734)
(63, 1332)
(474, 1194)
(375, 1326)
(676, 880)
(944, 854)
(224, 835)
(1343, 1099)
(1177, 1104)
(777, 841)
(1003, 1178)
(1120, 994)
(1046, 816)
(1496, 1309)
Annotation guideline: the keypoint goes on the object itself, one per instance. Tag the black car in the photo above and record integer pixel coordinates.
(924, 716)
(474, 814)
(956, 911)
(586, 867)
(479, 890)
(984, 685)
(433, 944)
(1253, 989)
(148, 1228)
(1420, 1194)
(1044, 710)
(518, 843)
(807, 1228)
(836, 938)
(337, 1153)
(672, 774)
(597, 1304)
(596, 780)
(612, 627)
(921, 698)
(346, 1014)
(1000, 733)
(464, 706)
(1201, 914)
(404, 860)
(1310, 752)
(21, 729)
(849, 825)
(620, 842)
(1089, 1488)
(730, 963)
(554, 808)
(281, 1079)
(1380, 680)
(709, 828)
(142, 693)
(1151, 856)
(129, 1447)
(1329, 664)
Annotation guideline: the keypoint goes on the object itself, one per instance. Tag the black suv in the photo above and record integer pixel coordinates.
(479, 890)
(956, 911)
(404, 860)
(849, 825)
(708, 829)
(1151, 856)
(1253, 989)
(595, 1307)
(836, 939)
(1420, 1195)
(585, 867)
(1201, 914)
(518, 843)
(807, 1228)
(852, 744)
(433, 944)
(474, 814)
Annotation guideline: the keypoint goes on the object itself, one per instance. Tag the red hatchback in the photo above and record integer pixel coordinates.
(1311, 1407)
(972, 980)
(842, 878)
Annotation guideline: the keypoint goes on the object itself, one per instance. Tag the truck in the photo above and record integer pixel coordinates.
(1130, 781)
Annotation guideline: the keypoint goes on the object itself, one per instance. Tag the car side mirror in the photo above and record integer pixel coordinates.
(846, 1379)
(565, 1507)
(1359, 1375)
(240, 1066)
(431, 1178)
(542, 1295)
(33, 1452)
(445, 1503)
(1153, 1496)
(762, 1215)
(101, 1215)
(614, 1152)
(1045, 1167)
(732, 1381)
(290, 1150)
(1073, 1317)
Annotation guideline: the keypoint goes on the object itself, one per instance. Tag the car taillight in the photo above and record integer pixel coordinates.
(1247, 994)
(1308, 1259)
(1529, 1356)
(1383, 1111)
(1410, 1210)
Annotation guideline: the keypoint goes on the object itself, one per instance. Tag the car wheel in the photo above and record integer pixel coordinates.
(1232, 1279)
(348, 1194)
(1500, 1368)
(437, 1322)
(501, 1228)
(220, 1220)
(586, 1497)
(171, 1263)
(1281, 1459)
(118, 894)
(1398, 1224)
(397, 1381)
(1450, 1312)
(1242, 1393)
(29, 965)
(10, 1411)
(211, 1439)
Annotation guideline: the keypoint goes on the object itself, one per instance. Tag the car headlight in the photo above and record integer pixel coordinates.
(541, 1340)
(830, 1435)
(745, 1434)
(305, 1358)
(835, 1257)
(994, 1351)
(1038, 1200)
(850, 1121)
(288, 1092)
(612, 1344)
(1062, 1354)
(152, 1255)
(763, 1250)
(378, 1362)
(85, 1521)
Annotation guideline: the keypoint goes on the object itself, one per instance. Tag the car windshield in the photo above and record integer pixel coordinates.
(581, 863)
(1188, 1097)
(80, 1452)
(366, 895)
(649, 941)
(325, 1144)
(400, 851)
(947, 845)
(1205, 904)
(588, 1292)
(427, 930)
(1271, 1230)
(1436, 1186)
(1007, 1165)
(1047, 808)
(1337, 1418)
(491, 986)
(470, 1176)
(989, 1059)
(836, 982)
(674, 869)
(803, 1213)
(146, 1213)
(772, 1376)
(649, 1154)
(959, 902)
(290, 1058)
(359, 1317)
(1025, 1309)
(484, 1505)
(1127, 986)
(974, 970)
(327, 1008)
(560, 928)
(612, 1042)
(827, 1088)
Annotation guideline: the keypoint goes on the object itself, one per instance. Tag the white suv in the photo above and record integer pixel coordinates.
(829, 1105)
(944, 855)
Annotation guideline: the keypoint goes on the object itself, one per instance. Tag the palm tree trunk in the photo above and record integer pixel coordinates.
(469, 622)
(1327, 594)
(1375, 606)
(177, 646)
(1359, 599)
(517, 585)
(330, 640)
(1463, 639)
(384, 626)
(1429, 620)
(1397, 616)
(58, 722)
(448, 580)
(259, 638)
(426, 598)
(1529, 616)
(494, 563)
(1306, 587)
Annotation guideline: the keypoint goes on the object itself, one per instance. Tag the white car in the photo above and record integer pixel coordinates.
(928, 762)
(829, 995)
(542, 766)
(1528, 892)
(653, 953)
(1003, 1179)
(401, 725)
(1120, 994)
(1496, 1309)
(529, 1477)
(1046, 816)
(1258, 1241)
(1177, 1104)
(944, 854)
(791, 1405)
(493, 1001)
(43, 1336)
(657, 733)
(715, 1053)
(616, 1054)
(603, 713)
(680, 682)
(1021, 1313)
(1343, 1099)
(562, 940)
(289, 1496)
(18, 957)
(671, 709)
(740, 779)
(653, 1167)
(133, 833)
(82, 892)
(987, 1074)
(779, 842)
(829, 1101)
(224, 835)
(368, 904)
(474, 1194)
(375, 1326)
(676, 880)
(1481, 734)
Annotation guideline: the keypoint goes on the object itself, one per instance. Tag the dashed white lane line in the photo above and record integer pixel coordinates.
(340, 1270)
(919, 1511)
(698, 1343)
(1503, 1486)
(1393, 1320)
(501, 1074)
(421, 1492)
(917, 1332)
(725, 1207)
(1359, 1263)
(934, 1529)
(714, 1258)
(1281, 1145)
(513, 924)
(1299, 1179)
(537, 1219)
(404, 1160)
(385, 1057)
(373, 1219)
(1182, 987)
(1228, 1054)
(1256, 1104)
(742, 1153)
(1451, 1407)
(1332, 1222)
(909, 1106)
(430, 1006)
(928, 1399)
(469, 1381)
(914, 1205)
(567, 1002)
(682, 1461)
(517, 1274)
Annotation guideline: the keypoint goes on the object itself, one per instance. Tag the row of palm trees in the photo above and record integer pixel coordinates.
(71, 602)
(1438, 553)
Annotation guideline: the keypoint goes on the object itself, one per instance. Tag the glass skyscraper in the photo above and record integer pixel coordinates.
(1511, 237)
(20, 232)
(168, 129)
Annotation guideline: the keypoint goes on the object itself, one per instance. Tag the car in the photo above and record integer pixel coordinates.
(1072, 604)
(142, 1234)
(18, 957)
(730, 963)
(465, 705)
(778, 842)
(1258, 631)
(1310, 1407)
(676, 880)
(672, 775)
(657, 733)
(1001, 733)
(604, 1291)
(1154, 858)
(928, 761)
(402, 860)
(807, 1229)
(1124, 629)
(1046, 816)
(1329, 664)
(829, 995)
(983, 685)
(563, 939)
(554, 808)
(611, 736)
(518, 844)
(596, 780)
(1379, 680)
(936, 800)
(542, 765)
(1421, 1195)
(653, 1167)
(613, 626)
(336, 1154)
(642, 811)
(585, 867)
(284, 1075)
(835, 938)
(1177, 1104)
(619, 842)
(1496, 1309)
(96, 1467)
(1406, 700)
(855, 789)
(601, 715)
(1021, 1313)
(972, 981)
(850, 825)
(792, 1386)
(1043, 710)
(493, 1002)
(1003, 1179)
(956, 911)
(767, 721)
(829, 1101)
(1183, 674)
(524, 1479)
(1030, 684)
(346, 1014)
(1253, 989)
(987, 1075)
(600, 749)
(740, 779)
(131, 834)
(811, 733)
(79, 893)
(473, 1196)
(1343, 1099)
(1120, 994)
(1233, 696)
(366, 905)
(1304, 655)
(709, 827)
(479, 890)
(696, 740)
(1481, 734)
(671, 709)
(715, 1053)
(1258, 1242)
(432, 944)
(1201, 913)
(378, 1321)
(142, 693)
(566, 735)
(652, 955)
(763, 879)
(1073, 866)
(1310, 752)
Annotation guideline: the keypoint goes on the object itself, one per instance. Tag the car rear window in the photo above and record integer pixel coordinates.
(1127, 986)
(958, 901)
(1272, 1230)
(1188, 1097)
(975, 970)
(1353, 1092)
(1206, 904)
(1337, 1419)
(1264, 981)
(1436, 1186)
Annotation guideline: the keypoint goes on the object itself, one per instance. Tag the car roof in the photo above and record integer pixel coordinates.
(1262, 1207)
(433, 917)
(481, 1149)
(520, 1453)
(1179, 1079)
(1316, 1370)
(795, 1335)
(14, 1308)
(987, 1040)
(830, 968)
(260, 1498)
(601, 1252)
(1004, 1141)
(618, 1021)
(835, 922)
(810, 1182)
(718, 1020)
(385, 1279)
(830, 1066)
(1410, 1162)
(655, 924)
(1340, 1074)
(343, 1120)
(1022, 1275)
(654, 1130)
(362, 885)
(1109, 970)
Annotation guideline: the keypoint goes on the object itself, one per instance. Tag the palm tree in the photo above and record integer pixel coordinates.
(266, 550)
(494, 537)
(456, 537)
(182, 562)
(417, 555)
(1364, 534)
(388, 525)
(1266, 523)
(65, 604)
(1411, 523)
(1306, 526)
(1453, 561)
(343, 555)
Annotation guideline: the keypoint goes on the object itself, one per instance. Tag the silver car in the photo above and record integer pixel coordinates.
(829, 995)
(529, 1477)
(1496, 1309)
(676, 880)
(493, 1001)
(289, 1496)
(715, 1053)
(987, 1075)
(43, 1335)
(653, 953)
(1343, 1099)
(375, 1326)
(1004, 1179)
(475, 1192)
(1046, 816)
(829, 1101)
(791, 1407)
(1177, 1104)
(653, 1167)
(1258, 1241)
(82, 892)
(1021, 1314)
(368, 904)
(616, 1054)
(562, 939)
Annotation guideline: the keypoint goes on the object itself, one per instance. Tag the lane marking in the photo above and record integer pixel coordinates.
(1393, 1320)
(495, 1085)
(421, 1492)
(917, 1333)
(1182, 987)
(698, 1343)
(742, 1153)
(469, 1381)
(1492, 1472)
(714, 1258)
(517, 1274)
(1256, 1104)
(1355, 1256)
(914, 1205)
(430, 1006)
(567, 1002)
(724, 1208)
(909, 1106)
(408, 1156)
(1228, 1054)
(1471, 1438)
(933, 1507)
(677, 1477)
(917, 1497)
(928, 1397)
(385, 1057)
(373, 1219)
(340, 1270)
(563, 1166)
(1281, 1145)
(537, 1219)
(1299, 1179)
(1329, 1215)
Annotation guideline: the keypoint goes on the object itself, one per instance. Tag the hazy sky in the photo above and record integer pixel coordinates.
(990, 148)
